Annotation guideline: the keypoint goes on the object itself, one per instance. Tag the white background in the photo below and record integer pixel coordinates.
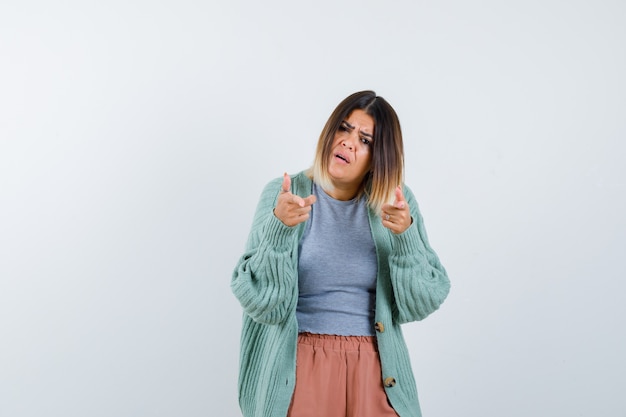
(136, 136)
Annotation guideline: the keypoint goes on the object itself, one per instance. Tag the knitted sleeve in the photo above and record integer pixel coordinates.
(420, 283)
(265, 277)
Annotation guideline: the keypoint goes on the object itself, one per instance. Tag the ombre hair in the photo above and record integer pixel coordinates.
(386, 170)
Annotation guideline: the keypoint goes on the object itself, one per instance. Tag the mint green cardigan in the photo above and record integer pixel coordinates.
(411, 284)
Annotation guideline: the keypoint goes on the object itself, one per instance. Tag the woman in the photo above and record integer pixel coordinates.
(337, 259)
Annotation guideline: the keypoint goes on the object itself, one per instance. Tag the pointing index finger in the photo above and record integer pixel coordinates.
(298, 200)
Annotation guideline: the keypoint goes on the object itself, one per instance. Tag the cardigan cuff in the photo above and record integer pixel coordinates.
(278, 234)
(407, 242)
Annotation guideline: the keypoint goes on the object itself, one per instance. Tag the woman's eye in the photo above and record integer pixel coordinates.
(365, 141)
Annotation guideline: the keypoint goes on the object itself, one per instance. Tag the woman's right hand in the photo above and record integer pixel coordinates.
(292, 209)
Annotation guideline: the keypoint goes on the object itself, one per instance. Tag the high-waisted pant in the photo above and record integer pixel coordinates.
(338, 376)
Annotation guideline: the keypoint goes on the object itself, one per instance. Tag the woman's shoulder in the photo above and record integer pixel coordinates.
(301, 180)
(410, 198)
(406, 190)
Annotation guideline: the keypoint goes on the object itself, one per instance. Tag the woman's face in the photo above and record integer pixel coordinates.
(351, 153)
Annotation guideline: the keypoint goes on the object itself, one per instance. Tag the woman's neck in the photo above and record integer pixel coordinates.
(343, 193)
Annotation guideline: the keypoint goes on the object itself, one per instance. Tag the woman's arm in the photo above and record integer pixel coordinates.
(264, 280)
(420, 283)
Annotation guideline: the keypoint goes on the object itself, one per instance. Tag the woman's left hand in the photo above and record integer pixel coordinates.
(397, 216)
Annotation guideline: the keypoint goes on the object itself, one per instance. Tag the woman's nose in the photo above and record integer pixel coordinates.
(349, 142)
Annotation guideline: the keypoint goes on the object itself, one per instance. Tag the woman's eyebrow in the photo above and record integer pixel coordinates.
(349, 126)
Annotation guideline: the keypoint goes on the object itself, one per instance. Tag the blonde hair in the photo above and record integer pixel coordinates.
(387, 164)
